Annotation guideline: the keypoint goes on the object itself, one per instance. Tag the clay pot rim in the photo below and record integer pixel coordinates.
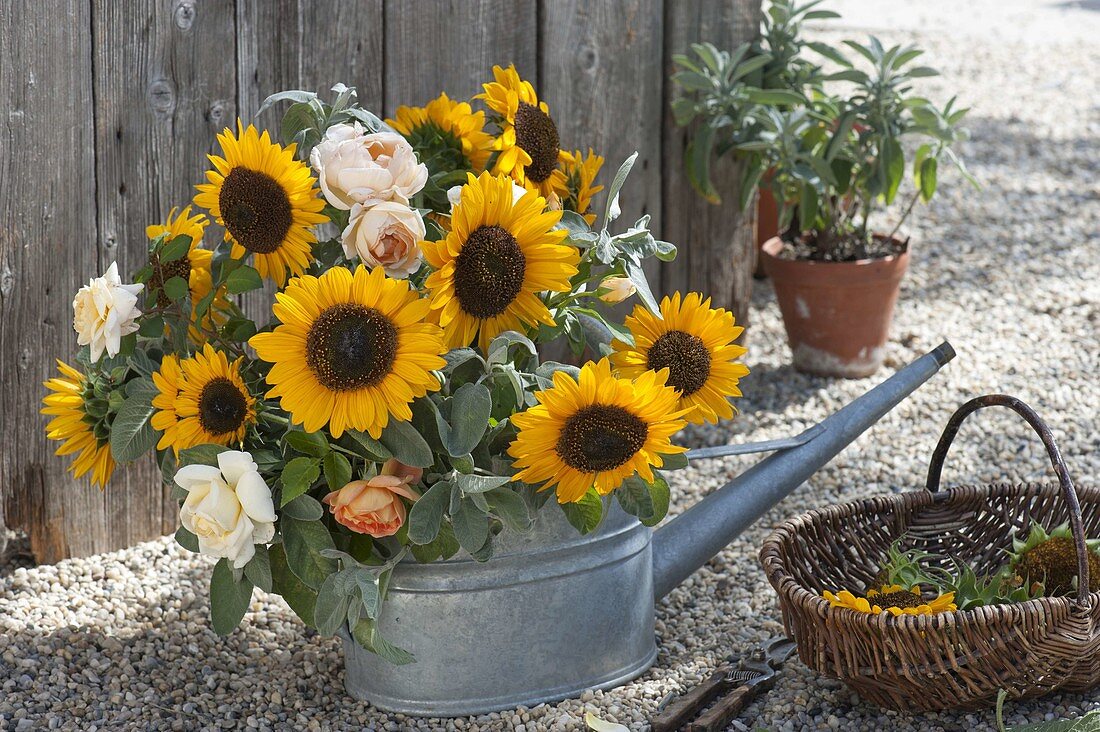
(776, 242)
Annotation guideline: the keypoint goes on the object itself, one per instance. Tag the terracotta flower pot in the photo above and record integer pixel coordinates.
(837, 314)
(767, 222)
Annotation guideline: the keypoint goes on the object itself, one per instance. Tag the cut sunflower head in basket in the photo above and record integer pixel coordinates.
(1051, 559)
(893, 599)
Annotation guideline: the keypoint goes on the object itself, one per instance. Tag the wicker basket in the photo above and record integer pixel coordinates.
(949, 660)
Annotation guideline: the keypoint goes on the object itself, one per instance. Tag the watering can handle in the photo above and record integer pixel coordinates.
(935, 467)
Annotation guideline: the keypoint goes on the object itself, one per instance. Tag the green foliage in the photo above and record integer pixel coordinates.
(586, 514)
(229, 598)
(833, 157)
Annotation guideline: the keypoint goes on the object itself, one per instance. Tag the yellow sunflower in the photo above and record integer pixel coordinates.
(894, 599)
(596, 431)
(202, 400)
(580, 174)
(696, 344)
(266, 200)
(446, 129)
(528, 142)
(75, 428)
(494, 262)
(352, 351)
(193, 267)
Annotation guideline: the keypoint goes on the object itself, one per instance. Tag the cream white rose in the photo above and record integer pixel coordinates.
(104, 310)
(229, 507)
(355, 167)
(616, 289)
(454, 195)
(386, 235)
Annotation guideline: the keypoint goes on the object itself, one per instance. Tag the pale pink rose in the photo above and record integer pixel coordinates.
(374, 507)
(355, 167)
(386, 235)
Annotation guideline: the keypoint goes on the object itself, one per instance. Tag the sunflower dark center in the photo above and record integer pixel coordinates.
(685, 356)
(255, 209)
(898, 598)
(489, 272)
(162, 272)
(601, 437)
(537, 135)
(351, 347)
(222, 406)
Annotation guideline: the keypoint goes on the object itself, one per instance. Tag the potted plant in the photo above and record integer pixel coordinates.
(391, 412)
(837, 163)
(720, 89)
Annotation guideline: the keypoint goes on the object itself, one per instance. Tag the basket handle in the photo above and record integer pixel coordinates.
(1068, 493)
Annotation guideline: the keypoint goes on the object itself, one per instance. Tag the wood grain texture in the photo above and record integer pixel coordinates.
(716, 242)
(47, 249)
(158, 105)
(456, 51)
(600, 72)
(112, 107)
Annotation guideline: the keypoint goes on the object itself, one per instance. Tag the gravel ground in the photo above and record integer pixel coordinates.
(1010, 275)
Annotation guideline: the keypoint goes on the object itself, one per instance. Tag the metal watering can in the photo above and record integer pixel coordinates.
(554, 613)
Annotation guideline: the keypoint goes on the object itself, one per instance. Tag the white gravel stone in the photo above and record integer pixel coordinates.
(1011, 275)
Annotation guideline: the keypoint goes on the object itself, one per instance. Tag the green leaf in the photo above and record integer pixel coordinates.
(426, 514)
(176, 288)
(311, 443)
(303, 542)
(481, 483)
(131, 433)
(298, 476)
(659, 495)
(297, 594)
(151, 327)
(612, 193)
(368, 447)
(258, 569)
(471, 526)
(633, 495)
(331, 609)
(175, 249)
(510, 508)
(337, 470)
(697, 163)
(636, 275)
(243, 279)
(405, 443)
(304, 508)
(228, 599)
(585, 515)
(205, 454)
(366, 634)
(187, 540)
(469, 419)
(928, 179)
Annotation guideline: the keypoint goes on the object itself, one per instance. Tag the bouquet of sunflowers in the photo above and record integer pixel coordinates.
(391, 405)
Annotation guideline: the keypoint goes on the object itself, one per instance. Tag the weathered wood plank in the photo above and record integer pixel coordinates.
(456, 50)
(158, 105)
(716, 242)
(343, 42)
(47, 249)
(600, 72)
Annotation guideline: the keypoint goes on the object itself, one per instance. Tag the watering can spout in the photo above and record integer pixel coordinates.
(688, 541)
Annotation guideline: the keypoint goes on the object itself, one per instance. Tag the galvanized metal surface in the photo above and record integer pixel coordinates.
(686, 542)
(554, 613)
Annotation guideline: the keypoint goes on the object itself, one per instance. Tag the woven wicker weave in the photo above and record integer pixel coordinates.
(949, 660)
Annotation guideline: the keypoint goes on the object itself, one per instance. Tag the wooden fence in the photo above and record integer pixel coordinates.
(110, 107)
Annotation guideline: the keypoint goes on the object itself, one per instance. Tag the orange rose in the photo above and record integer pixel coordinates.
(374, 507)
